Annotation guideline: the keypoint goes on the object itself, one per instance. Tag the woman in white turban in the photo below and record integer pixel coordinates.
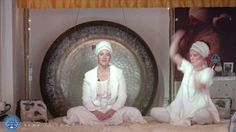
(192, 104)
(104, 94)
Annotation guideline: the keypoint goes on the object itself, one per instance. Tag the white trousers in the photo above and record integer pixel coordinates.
(160, 114)
(232, 126)
(202, 116)
(81, 115)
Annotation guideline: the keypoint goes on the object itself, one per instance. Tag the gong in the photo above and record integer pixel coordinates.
(72, 54)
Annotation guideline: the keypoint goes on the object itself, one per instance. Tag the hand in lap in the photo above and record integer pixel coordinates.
(100, 115)
(104, 116)
(109, 113)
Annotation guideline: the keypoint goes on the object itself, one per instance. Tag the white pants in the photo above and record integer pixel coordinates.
(232, 126)
(160, 114)
(81, 115)
(201, 116)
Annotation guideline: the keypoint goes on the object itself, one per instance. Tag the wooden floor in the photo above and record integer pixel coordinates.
(151, 126)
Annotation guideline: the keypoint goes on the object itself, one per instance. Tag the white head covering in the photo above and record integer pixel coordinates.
(103, 45)
(200, 13)
(201, 47)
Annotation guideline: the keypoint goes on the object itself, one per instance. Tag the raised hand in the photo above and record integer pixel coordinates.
(179, 34)
(174, 47)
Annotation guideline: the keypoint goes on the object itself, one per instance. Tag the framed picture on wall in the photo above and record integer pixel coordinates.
(214, 26)
(228, 67)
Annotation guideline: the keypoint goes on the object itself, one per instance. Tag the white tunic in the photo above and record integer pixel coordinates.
(189, 99)
(103, 96)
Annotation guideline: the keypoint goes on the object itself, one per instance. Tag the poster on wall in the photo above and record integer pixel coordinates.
(215, 26)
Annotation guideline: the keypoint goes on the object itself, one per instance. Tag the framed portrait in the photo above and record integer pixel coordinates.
(212, 25)
(228, 67)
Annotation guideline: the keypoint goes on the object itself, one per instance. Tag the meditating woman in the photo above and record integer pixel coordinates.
(192, 104)
(104, 94)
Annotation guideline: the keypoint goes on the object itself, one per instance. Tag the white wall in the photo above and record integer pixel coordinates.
(18, 55)
(6, 52)
(151, 24)
(11, 53)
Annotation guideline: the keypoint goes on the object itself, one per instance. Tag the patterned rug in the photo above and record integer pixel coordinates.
(56, 125)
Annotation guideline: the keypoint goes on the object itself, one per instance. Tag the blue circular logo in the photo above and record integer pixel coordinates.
(11, 122)
(215, 58)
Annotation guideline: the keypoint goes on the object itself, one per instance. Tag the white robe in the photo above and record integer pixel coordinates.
(82, 114)
(190, 100)
(117, 85)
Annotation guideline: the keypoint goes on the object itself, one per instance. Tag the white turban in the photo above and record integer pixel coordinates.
(103, 45)
(199, 13)
(201, 47)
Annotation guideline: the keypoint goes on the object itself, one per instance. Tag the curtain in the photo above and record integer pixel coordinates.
(123, 3)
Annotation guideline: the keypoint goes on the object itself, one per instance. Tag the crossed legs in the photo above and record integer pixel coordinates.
(202, 116)
(81, 115)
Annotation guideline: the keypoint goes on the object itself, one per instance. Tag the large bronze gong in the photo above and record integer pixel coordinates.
(72, 54)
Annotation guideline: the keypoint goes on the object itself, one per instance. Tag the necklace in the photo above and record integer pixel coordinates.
(103, 75)
(103, 85)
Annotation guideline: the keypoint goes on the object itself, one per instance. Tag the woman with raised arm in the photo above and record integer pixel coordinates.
(192, 104)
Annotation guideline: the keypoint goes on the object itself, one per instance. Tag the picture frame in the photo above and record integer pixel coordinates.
(228, 67)
(180, 20)
(223, 105)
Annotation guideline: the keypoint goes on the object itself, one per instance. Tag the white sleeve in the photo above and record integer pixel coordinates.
(87, 102)
(206, 77)
(122, 93)
(184, 65)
